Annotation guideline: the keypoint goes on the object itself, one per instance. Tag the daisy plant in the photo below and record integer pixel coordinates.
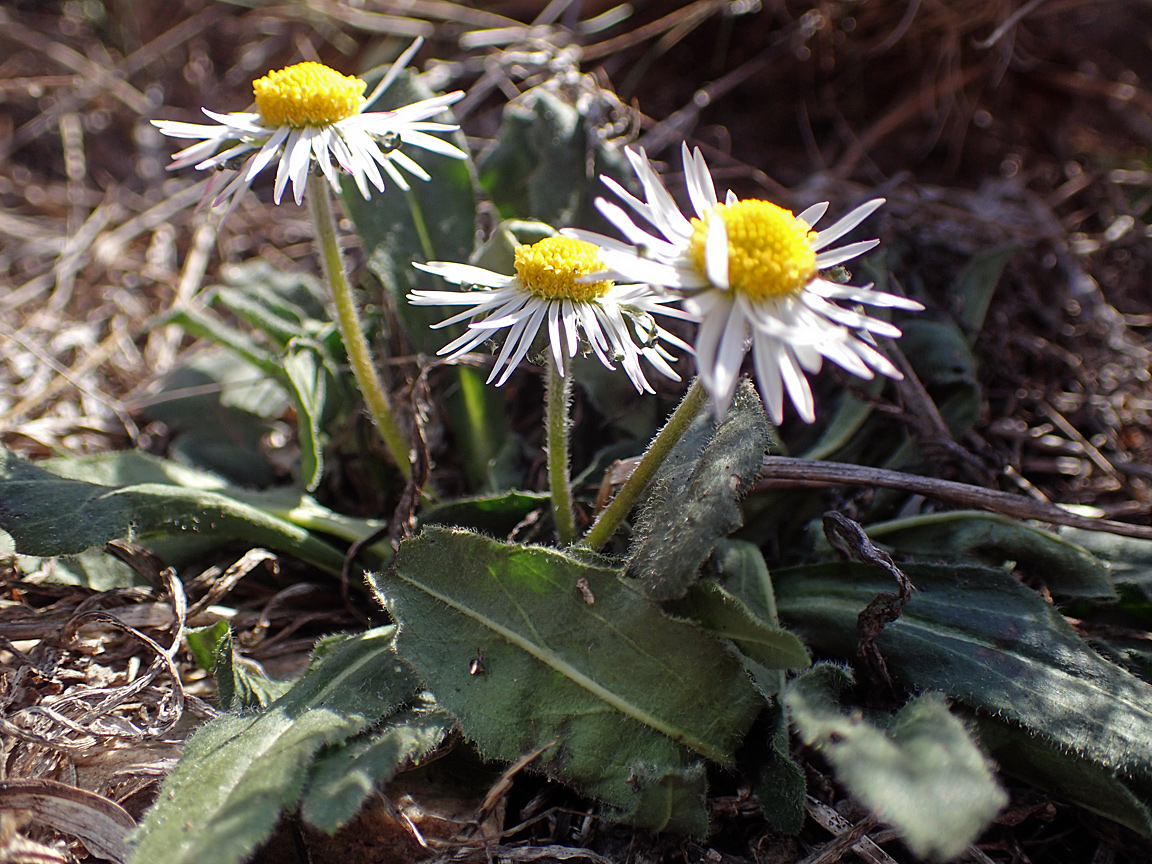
(556, 283)
(752, 273)
(312, 122)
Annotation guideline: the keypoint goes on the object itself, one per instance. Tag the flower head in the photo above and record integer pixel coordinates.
(556, 282)
(310, 115)
(750, 270)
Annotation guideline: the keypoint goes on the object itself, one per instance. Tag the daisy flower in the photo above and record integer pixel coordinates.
(310, 115)
(751, 272)
(552, 285)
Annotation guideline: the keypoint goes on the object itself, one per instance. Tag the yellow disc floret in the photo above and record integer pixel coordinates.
(307, 94)
(769, 250)
(550, 267)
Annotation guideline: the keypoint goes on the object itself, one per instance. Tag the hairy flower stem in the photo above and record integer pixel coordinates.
(557, 395)
(351, 330)
(612, 515)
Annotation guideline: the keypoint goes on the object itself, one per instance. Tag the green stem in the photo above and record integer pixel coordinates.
(351, 330)
(619, 507)
(556, 397)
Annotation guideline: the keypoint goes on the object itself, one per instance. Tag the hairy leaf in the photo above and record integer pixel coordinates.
(548, 160)
(692, 500)
(1067, 569)
(48, 514)
(1083, 782)
(240, 771)
(344, 777)
(982, 638)
(531, 647)
(922, 774)
(307, 381)
(726, 616)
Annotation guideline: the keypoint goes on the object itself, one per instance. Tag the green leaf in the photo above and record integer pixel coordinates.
(218, 411)
(507, 640)
(281, 305)
(984, 639)
(202, 642)
(742, 571)
(308, 385)
(240, 687)
(943, 361)
(726, 616)
(922, 774)
(47, 514)
(692, 500)
(497, 515)
(1080, 781)
(549, 158)
(344, 777)
(240, 771)
(781, 784)
(1069, 570)
(975, 286)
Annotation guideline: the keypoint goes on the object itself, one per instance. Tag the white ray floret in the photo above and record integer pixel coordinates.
(751, 273)
(311, 117)
(550, 289)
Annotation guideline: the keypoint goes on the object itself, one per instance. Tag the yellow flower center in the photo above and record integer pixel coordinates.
(307, 94)
(550, 267)
(769, 250)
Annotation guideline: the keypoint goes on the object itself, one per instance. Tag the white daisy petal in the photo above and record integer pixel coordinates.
(813, 214)
(347, 138)
(410, 165)
(854, 294)
(716, 254)
(842, 226)
(433, 144)
(765, 361)
(833, 257)
(699, 181)
(291, 145)
(465, 274)
(796, 385)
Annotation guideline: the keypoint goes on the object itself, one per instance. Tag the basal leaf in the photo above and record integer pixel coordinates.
(496, 515)
(240, 771)
(343, 777)
(239, 687)
(726, 616)
(975, 286)
(781, 784)
(531, 647)
(1078, 780)
(218, 411)
(982, 638)
(548, 160)
(922, 774)
(692, 500)
(307, 381)
(1069, 570)
(47, 514)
